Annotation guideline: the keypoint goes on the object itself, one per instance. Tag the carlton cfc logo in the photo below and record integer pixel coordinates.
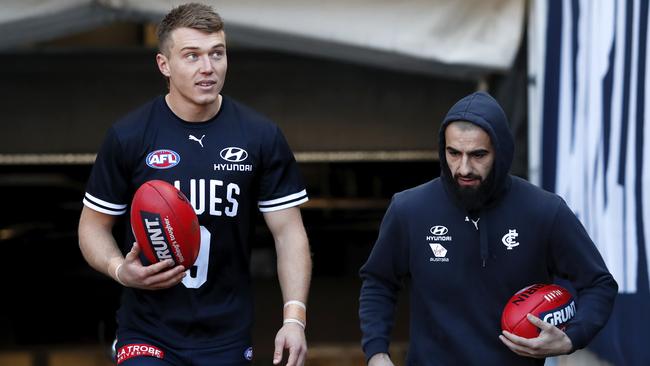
(163, 159)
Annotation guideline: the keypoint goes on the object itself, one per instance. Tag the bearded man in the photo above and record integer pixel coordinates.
(465, 243)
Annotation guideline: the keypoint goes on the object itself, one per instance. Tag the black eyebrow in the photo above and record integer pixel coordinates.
(473, 152)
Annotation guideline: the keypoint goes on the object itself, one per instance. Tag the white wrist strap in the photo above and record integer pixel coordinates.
(296, 321)
(296, 315)
(117, 274)
(296, 302)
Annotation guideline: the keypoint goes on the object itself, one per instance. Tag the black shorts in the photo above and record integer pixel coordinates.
(133, 349)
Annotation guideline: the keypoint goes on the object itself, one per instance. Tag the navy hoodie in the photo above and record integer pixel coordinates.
(461, 274)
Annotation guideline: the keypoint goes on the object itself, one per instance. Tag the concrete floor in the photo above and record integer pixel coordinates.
(319, 355)
(333, 332)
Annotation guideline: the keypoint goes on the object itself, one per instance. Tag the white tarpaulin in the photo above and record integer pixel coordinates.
(454, 37)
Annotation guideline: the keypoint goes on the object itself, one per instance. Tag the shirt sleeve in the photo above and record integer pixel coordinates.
(107, 187)
(577, 259)
(281, 183)
(382, 277)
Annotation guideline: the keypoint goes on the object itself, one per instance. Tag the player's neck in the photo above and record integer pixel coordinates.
(191, 112)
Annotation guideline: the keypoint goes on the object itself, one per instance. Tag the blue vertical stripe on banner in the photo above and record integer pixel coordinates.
(640, 120)
(551, 94)
(608, 82)
(629, 21)
(575, 34)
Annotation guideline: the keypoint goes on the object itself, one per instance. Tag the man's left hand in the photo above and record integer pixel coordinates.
(550, 342)
(292, 337)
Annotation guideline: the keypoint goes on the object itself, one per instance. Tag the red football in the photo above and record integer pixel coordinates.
(551, 303)
(164, 224)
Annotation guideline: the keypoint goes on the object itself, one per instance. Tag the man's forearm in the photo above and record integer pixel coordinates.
(292, 249)
(97, 243)
(294, 270)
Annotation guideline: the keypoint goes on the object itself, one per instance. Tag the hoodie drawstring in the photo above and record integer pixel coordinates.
(484, 246)
(485, 251)
(484, 241)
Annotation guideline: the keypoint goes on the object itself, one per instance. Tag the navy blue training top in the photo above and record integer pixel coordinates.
(229, 167)
(462, 269)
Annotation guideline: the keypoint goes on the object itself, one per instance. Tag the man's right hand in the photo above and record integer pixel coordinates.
(380, 359)
(161, 275)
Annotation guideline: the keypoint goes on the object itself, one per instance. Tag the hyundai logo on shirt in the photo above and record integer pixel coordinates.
(233, 154)
(438, 230)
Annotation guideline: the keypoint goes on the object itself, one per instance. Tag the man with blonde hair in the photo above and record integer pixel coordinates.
(229, 161)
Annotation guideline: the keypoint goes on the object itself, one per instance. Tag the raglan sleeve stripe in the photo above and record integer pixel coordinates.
(281, 203)
(102, 206)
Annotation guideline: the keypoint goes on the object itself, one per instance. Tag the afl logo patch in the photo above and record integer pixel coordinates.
(163, 159)
(233, 154)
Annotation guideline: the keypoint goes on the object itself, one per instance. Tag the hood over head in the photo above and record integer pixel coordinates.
(481, 109)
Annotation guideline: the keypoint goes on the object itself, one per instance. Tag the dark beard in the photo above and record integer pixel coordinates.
(473, 199)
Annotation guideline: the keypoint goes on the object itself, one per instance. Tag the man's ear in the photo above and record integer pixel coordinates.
(163, 64)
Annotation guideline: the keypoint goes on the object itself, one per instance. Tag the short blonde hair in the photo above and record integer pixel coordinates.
(192, 15)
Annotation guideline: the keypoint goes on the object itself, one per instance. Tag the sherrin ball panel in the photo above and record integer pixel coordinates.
(164, 224)
(549, 302)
